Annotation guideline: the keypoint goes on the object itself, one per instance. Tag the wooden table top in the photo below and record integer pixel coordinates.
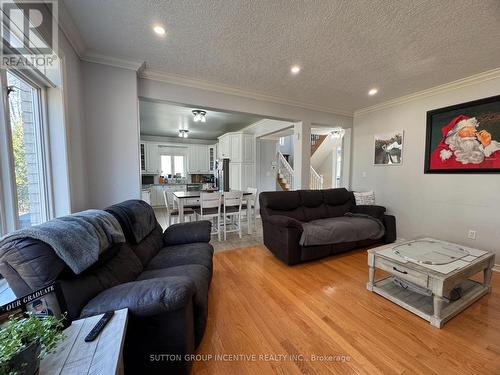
(101, 356)
(195, 194)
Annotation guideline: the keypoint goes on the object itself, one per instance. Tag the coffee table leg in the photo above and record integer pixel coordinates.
(487, 278)
(371, 272)
(436, 319)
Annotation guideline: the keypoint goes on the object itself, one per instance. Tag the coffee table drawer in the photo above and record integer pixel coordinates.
(403, 272)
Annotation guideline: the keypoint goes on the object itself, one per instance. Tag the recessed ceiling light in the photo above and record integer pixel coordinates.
(372, 92)
(160, 30)
(295, 69)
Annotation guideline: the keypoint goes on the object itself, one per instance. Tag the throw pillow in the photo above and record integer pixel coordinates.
(364, 197)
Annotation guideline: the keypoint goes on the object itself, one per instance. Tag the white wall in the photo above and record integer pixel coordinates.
(266, 156)
(439, 205)
(112, 134)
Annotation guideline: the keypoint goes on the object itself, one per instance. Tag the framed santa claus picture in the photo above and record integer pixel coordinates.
(464, 138)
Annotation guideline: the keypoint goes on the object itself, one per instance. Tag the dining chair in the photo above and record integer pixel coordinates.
(250, 208)
(232, 211)
(172, 213)
(210, 209)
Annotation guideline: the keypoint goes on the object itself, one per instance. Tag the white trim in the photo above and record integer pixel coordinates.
(496, 268)
(460, 83)
(229, 90)
(70, 30)
(113, 61)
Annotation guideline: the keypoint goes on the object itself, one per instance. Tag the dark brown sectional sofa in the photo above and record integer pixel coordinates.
(284, 213)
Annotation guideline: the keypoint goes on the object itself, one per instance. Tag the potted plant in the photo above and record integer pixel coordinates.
(24, 340)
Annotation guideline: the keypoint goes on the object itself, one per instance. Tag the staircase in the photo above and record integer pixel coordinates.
(316, 141)
(285, 173)
(284, 177)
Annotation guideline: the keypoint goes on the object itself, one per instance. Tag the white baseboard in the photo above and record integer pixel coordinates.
(496, 268)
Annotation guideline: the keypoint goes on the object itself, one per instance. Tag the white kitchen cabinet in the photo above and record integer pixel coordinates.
(235, 141)
(152, 158)
(142, 151)
(241, 176)
(248, 149)
(146, 196)
(238, 147)
(212, 155)
(224, 147)
(198, 161)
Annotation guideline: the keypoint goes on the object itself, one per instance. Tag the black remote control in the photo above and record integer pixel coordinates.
(99, 326)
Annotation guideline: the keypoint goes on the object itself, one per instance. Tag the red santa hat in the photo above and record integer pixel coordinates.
(451, 125)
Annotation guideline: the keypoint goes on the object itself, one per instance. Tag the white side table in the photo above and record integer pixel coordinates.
(101, 356)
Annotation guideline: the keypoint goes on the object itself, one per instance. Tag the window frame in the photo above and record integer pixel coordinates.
(9, 215)
(172, 162)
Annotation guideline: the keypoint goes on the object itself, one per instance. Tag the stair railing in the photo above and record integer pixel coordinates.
(285, 169)
(316, 180)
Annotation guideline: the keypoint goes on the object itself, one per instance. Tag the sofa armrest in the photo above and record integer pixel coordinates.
(144, 298)
(372, 210)
(284, 221)
(184, 233)
(390, 228)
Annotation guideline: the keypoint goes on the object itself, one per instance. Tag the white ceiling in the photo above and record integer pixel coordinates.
(165, 120)
(344, 47)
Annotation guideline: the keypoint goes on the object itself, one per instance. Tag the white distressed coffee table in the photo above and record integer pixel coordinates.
(437, 280)
(101, 356)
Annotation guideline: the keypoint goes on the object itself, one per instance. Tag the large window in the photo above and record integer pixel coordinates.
(26, 152)
(174, 165)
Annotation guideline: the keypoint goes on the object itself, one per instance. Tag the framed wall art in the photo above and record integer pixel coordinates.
(464, 138)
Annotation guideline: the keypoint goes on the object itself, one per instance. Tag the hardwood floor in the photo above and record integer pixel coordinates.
(259, 306)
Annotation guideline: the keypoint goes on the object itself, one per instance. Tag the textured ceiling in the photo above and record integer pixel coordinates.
(344, 47)
(165, 120)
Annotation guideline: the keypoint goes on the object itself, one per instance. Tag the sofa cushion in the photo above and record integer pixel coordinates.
(149, 246)
(145, 298)
(341, 229)
(32, 264)
(313, 204)
(201, 277)
(122, 267)
(184, 233)
(136, 217)
(286, 203)
(338, 201)
(178, 255)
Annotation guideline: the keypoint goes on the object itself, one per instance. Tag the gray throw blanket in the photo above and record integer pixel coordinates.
(348, 228)
(77, 239)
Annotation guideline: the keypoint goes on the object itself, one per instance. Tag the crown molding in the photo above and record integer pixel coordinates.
(114, 61)
(463, 82)
(70, 30)
(230, 90)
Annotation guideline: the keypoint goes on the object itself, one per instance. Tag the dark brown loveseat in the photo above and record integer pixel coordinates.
(284, 213)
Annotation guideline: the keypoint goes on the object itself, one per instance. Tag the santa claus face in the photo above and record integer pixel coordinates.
(465, 149)
(468, 131)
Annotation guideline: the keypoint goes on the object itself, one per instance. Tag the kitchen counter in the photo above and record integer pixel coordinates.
(172, 184)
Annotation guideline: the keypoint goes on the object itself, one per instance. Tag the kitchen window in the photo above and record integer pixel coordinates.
(173, 165)
(23, 138)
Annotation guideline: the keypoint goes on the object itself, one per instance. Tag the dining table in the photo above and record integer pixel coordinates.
(192, 199)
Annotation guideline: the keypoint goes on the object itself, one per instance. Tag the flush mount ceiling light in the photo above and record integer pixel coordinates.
(199, 116)
(295, 69)
(337, 133)
(183, 133)
(160, 30)
(372, 92)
